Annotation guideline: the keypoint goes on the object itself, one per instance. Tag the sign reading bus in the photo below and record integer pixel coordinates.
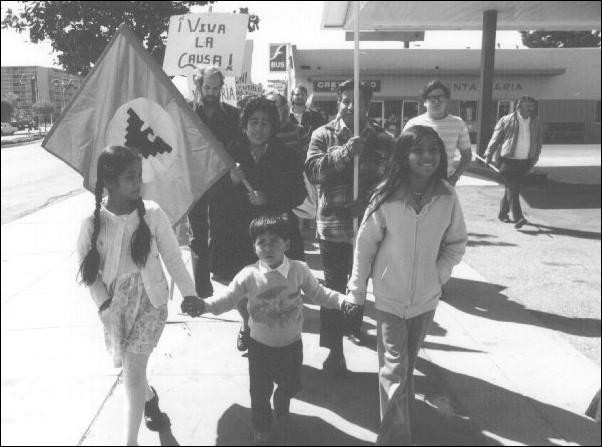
(277, 57)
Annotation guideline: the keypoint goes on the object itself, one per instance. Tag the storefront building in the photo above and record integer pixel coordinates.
(565, 81)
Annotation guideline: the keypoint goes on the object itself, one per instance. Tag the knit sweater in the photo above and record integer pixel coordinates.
(275, 305)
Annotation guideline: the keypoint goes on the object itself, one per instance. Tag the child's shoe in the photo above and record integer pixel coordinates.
(154, 419)
(261, 437)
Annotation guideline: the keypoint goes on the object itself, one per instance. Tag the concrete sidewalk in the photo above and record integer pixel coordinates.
(479, 380)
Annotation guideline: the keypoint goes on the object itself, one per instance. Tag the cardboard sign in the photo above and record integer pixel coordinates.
(207, 39)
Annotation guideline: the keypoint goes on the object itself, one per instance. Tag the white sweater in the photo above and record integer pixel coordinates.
(163, 243)
(275, 306)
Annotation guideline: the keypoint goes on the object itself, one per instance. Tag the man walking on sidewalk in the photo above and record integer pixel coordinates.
(516, 145)
(329, 165)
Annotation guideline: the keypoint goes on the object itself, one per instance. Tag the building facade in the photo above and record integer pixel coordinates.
(565, 81)
(32, 84)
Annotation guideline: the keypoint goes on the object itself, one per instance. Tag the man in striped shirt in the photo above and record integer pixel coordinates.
(451, 129)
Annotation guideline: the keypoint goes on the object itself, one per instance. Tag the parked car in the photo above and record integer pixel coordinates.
(21, 125)
(8, 129)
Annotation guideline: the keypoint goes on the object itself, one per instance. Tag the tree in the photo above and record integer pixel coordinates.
(7, 110)
(560, 39)
(13, 100)
(79, 31)
(44, 108)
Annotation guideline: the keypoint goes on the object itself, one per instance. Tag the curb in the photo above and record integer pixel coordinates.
(20, 142)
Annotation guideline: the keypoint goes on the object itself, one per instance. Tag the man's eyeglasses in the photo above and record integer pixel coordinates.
(437, 98)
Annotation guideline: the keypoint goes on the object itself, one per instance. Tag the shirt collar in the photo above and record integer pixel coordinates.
(282, 269)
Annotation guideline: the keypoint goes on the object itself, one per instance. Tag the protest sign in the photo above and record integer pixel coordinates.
(128, 100)
(206, 39)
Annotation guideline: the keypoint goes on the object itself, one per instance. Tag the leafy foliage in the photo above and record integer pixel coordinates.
(560, 39)
(79, 31)
(7, 110)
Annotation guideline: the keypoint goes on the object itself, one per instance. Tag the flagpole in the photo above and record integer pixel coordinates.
(356, 108)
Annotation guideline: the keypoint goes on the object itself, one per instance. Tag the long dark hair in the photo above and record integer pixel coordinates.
(112, 162)
(398, 168)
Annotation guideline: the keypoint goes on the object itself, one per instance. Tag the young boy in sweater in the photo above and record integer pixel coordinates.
(273, 287)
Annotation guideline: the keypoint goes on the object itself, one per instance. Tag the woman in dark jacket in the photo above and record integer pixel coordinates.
(274, 173)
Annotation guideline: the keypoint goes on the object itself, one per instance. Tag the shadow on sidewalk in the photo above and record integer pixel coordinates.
(354, 397)
(166, 438)
(235, 428)
(553, 195)
(486, 300)
(480, 239)
(556, 231)
(508, 423)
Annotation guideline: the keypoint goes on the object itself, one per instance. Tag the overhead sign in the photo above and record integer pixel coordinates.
(208, 39)
(384, 36)
(331, 86)
(278, 57)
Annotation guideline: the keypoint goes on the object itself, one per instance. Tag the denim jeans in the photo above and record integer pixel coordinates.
(399, 342)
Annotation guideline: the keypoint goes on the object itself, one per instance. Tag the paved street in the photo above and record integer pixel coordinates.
(32, 179)
(511, 359)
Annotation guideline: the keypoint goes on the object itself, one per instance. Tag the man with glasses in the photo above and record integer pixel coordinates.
(451, 129)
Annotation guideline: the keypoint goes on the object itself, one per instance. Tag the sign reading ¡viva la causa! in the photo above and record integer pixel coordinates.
(207, 39)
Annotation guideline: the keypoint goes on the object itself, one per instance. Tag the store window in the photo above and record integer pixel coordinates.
(393, 117)
(409, 111)
(504, 108)
(376, 112)
(328, 109)
(468, 111)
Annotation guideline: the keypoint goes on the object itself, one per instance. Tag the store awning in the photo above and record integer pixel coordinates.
(469, 15)
(421, 15)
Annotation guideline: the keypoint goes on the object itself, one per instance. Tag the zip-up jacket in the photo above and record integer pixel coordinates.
(409, 255)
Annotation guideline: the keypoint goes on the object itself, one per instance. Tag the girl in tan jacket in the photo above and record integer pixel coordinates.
(412, 235)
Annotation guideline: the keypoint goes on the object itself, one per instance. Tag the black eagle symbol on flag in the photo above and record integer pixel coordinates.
(138, 139)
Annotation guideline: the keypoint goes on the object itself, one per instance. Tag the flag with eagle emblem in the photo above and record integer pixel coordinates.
(128, 100)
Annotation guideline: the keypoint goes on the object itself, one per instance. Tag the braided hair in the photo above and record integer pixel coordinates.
(112, 162)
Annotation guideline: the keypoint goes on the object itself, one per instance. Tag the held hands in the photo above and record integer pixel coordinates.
(192, 306)
(352, 317)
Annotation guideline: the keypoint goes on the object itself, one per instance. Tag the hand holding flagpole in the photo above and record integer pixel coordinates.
(241, 175)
